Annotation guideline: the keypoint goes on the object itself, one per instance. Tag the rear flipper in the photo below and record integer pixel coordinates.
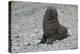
(63, 37)
(62, 32)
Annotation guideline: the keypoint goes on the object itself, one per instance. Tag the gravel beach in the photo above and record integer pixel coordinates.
(27, 26)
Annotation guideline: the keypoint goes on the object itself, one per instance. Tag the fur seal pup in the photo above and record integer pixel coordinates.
(52, 30)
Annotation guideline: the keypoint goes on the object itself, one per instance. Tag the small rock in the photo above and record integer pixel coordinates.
(62, 11)
(17, 37)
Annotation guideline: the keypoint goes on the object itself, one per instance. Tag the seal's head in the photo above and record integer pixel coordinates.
(51, 12)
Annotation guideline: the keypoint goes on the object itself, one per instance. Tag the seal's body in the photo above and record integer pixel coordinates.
(51, 27)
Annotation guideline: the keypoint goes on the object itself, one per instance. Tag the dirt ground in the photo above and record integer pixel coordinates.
(27, 29)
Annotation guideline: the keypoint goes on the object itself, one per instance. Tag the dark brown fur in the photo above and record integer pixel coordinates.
(52, 28)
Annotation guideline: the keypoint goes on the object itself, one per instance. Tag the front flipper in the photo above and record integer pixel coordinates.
(43, 40)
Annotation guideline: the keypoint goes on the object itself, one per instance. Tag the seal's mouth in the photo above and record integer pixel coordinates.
(49, 18)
